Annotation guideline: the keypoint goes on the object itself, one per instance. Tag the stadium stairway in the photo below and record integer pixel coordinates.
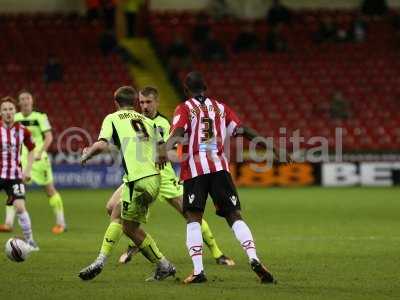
(152, 73)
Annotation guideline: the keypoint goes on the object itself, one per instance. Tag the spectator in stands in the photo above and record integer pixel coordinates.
(92, 9)
(247, 40)
(201, 30)
(217, 9)
(108, 7)
(358, 31)
(278, 14)
(179, 52)
(212, 49)
(53, 70)
(13, 66)
(178, 58)
(275, 41)
(396, 26)
(108, 42)
(178, 55)
(396, 22)
(327, 31)
(374, 7)
(339, 108)
(131, 10)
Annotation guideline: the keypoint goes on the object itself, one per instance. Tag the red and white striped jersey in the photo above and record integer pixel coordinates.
(207, 124)
(11, 139)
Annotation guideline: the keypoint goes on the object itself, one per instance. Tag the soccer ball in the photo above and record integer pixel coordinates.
(16, 249)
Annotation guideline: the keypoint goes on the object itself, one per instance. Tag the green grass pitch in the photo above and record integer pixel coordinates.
(319, 243)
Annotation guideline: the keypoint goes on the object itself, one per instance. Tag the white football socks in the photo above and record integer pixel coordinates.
(60, 218)
(25, 222)
(244, 236)
(194, 243)
(102, 258)
(10, 215)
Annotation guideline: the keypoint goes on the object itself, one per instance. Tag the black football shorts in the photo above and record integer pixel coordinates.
(14, 188)
(218, 185)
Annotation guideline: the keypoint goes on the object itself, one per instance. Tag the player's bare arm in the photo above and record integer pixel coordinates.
(167, 151)
(48, 139)
(95, 149)
(251, 134)
(28, 170)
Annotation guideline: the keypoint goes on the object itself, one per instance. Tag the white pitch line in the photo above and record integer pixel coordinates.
(335, 238)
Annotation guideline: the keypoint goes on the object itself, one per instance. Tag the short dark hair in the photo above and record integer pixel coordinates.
(24, 91)
(126, 95)
(8, 99)
(149, 90)
(195, 83)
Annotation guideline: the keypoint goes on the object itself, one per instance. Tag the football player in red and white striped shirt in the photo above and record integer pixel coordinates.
(205, 124)
(12, 137)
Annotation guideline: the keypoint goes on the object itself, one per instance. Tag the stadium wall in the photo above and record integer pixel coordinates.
(248, 174)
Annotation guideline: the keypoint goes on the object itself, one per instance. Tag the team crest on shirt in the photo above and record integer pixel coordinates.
(191, 198)
(233, 198)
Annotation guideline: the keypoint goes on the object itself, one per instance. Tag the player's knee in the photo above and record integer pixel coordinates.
(176, 203)
(115, 215)
(194, 216)
(233, 216)
(50, 190)
(19, 206)
(109, 208)
(130, 228)
(19, 210)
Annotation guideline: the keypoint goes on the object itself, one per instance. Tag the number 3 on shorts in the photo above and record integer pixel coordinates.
(19, 189)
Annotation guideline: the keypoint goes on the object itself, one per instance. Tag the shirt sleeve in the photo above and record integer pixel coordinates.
(28, 141)
(106, 130)
(44, 123)
(181, 118)
(232, 121)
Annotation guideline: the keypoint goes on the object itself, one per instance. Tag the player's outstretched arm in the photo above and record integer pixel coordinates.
(98, 147)
(252, 134)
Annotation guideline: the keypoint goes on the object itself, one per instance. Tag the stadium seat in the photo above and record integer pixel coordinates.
(84, 96)
(287, 88)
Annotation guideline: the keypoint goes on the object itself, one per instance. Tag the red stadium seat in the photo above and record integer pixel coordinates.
(75, 42)
(287, 89)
